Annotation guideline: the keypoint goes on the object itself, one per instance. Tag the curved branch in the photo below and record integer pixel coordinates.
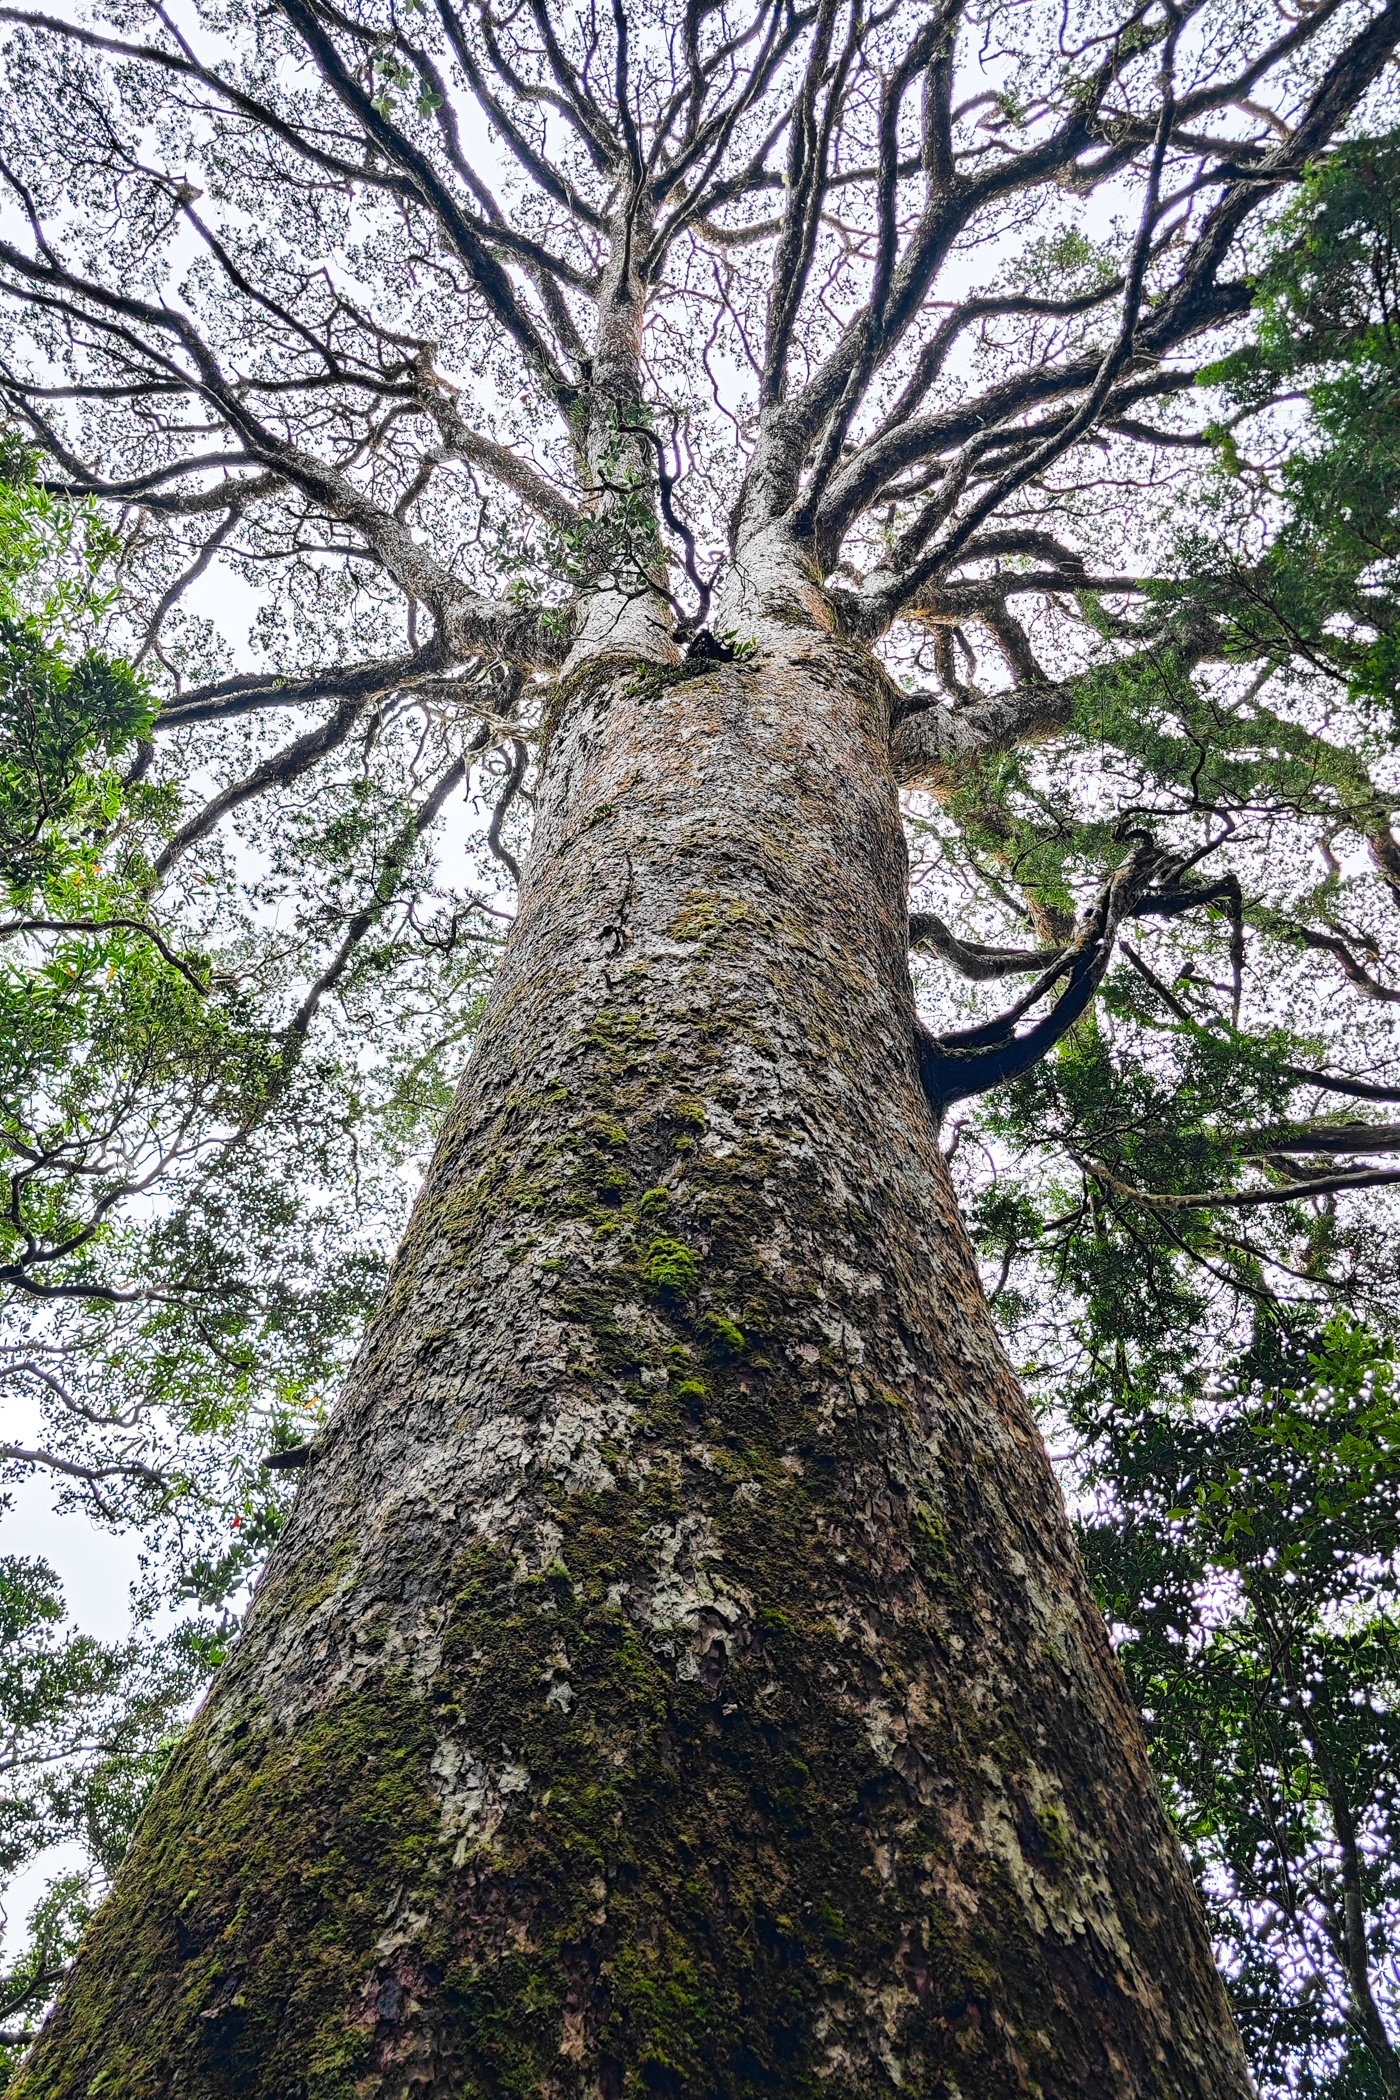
(1241, 1199)
(970, 1061)
(279, 770)
(972, 958)
(10, 928)
(514, 780)
(369, 915)
(126, 1469)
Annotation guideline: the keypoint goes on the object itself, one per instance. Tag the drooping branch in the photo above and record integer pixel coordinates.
(11, 929)
(969, 1061)
(54, 1462)
(385, 888)
(1369, 986)
(280, 769)
(1341, 1083)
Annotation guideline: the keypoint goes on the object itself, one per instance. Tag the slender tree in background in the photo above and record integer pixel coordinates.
(676, 1675)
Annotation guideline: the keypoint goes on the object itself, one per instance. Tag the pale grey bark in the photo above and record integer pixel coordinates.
(927, 745)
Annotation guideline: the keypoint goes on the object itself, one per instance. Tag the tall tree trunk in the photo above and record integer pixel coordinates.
(676, 1676)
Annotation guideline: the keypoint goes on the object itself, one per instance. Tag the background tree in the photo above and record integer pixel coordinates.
(1250, 1545)
(261, 346)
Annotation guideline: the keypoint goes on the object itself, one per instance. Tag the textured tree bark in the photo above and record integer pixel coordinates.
(676, 1676)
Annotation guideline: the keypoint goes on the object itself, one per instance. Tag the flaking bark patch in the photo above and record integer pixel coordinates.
(676, 1677)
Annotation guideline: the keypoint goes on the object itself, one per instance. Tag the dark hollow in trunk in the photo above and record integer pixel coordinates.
(676, 1677)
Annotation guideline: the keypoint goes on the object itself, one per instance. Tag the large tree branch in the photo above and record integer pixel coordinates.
(1341, 1083)
(278, 770)
(468, 623)
(488, 276)
(1316, 1137)
(506, 465)
(1239, 1199)
(1193, 303)
(250, 692)
(929, 746)
(121, 1469)
(987, 423)
(969, 1061)
(809, 150)
(1118, 354)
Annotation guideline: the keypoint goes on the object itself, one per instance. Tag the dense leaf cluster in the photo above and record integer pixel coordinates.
(84, 1730)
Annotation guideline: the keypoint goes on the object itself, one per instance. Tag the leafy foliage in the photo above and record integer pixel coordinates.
(84, 1731)
(1324, 598)
(183, 1262)
(1247, 1548)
